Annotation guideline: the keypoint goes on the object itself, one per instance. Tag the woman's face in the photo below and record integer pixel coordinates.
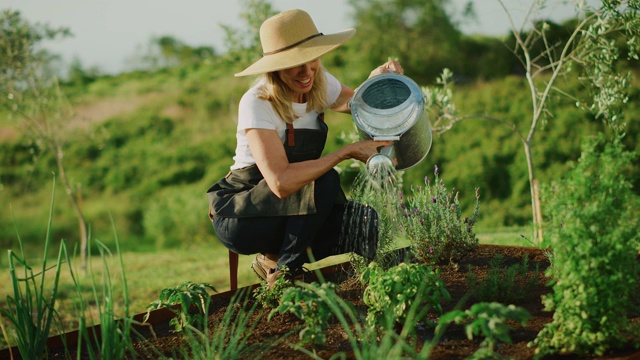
(300, 78)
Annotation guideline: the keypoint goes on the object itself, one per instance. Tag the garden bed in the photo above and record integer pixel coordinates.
(453, 345)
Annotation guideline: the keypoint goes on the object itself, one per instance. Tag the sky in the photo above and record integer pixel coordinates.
(106, 33)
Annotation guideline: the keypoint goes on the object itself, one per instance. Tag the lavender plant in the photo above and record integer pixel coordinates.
(434, 224)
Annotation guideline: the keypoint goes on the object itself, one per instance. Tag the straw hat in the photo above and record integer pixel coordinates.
(290, 39)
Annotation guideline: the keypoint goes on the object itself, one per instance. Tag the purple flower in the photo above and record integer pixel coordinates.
(436, 170)
(416, 211)
(421, 220)
(433, 199)
(430, 250)
(408, 213)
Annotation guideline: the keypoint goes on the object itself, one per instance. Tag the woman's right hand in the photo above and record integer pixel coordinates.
(363, 150)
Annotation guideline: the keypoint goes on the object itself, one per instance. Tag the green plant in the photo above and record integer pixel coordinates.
(270, 297)
(365, 341)
(594, 237)
(31, 310)
(390, 294)
(230, 335)
(488, 320)
(503, 284)
(434, 224)
(307, 304)
(115, 338)
(186, 294)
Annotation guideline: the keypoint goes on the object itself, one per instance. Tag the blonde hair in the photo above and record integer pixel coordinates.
(279, 94)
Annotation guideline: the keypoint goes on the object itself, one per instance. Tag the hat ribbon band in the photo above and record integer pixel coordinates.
(292, 45)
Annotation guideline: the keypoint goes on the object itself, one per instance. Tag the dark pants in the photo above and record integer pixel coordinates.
(333, 229)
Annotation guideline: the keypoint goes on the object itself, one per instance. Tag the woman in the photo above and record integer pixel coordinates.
(281, 199)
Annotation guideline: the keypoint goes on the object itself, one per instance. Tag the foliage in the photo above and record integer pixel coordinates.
(365, 342)
(488, 320)
(307, 305)
(31, 93)
(394, 28)
(115, 338)
(186, 294)
(244, 45)
(270, 297)
(593, 235)
(230, 335)
(433, 223)
(390, 294)
(31, 311)
(502, 284)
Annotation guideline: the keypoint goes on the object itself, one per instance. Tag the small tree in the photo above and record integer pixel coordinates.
(30, 91)
(594, 48)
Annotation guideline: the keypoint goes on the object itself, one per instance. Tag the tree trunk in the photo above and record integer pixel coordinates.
(535, 196)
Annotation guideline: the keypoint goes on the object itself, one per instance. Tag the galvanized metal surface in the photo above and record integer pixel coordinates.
(391, 107)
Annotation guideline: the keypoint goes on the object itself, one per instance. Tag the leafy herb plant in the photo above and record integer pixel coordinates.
(434, 224)
(488, 320)
(307, 305)
(270, 297)
(186, 294)
(595, 241)
(390, 294)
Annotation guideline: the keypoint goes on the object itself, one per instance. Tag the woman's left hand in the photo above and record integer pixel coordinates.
(388, 67)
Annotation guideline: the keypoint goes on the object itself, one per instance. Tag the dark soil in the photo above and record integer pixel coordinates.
(454, 344)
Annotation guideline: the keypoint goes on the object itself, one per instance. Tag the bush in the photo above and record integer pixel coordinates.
(595, 241)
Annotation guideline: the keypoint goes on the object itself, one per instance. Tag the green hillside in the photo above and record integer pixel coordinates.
(146, 146)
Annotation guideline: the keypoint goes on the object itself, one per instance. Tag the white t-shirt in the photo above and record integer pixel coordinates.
(254, 113)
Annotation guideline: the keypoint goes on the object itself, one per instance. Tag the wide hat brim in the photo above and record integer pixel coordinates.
(298, 55)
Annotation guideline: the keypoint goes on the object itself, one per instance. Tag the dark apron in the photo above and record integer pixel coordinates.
(245, 193)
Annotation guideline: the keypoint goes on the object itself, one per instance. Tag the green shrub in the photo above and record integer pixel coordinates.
(594, 238)
(434, 224)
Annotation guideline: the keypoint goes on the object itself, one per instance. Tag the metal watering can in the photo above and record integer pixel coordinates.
(391, 107)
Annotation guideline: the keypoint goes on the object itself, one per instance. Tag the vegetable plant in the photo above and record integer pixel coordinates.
(270, 297)
(186, 294)
(488, 320)
(30, 310)
(389, 294)
(434, 224)
(307, 304)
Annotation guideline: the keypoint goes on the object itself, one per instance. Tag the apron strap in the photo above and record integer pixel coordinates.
(291, 140)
